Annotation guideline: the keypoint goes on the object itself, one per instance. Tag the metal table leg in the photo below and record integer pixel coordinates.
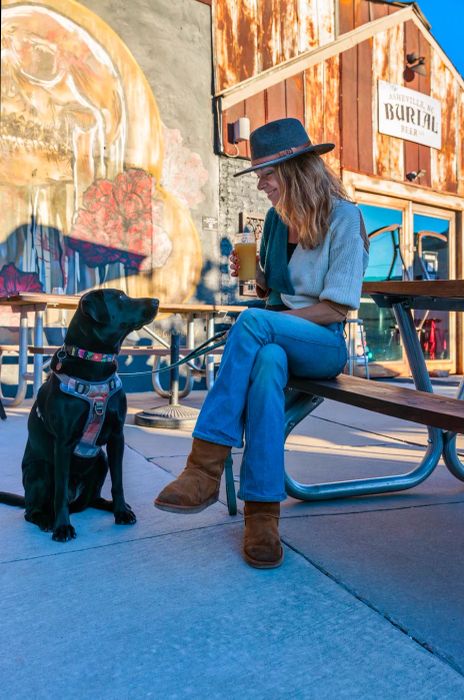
(209, 359)
(302, 404)
(408, 332)
(188, 385)
(38, 358)
(422, 381)
(172, 415)
(450, 454)
(22, 363)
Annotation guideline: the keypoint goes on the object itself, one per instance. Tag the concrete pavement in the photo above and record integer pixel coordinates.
(368, 603)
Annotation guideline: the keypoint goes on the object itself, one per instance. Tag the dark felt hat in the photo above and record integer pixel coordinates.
(281, 140)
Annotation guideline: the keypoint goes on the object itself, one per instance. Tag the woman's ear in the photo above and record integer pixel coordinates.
(93, 305)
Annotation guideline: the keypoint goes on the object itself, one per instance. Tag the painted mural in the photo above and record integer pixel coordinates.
(94, 189)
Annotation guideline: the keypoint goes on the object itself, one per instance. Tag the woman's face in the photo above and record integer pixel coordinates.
(268, 183)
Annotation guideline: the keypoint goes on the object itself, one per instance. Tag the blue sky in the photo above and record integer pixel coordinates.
(447, 20)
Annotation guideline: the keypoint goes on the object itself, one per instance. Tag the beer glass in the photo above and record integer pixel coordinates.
(245, 248)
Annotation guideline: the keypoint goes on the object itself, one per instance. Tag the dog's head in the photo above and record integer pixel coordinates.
(105, 317)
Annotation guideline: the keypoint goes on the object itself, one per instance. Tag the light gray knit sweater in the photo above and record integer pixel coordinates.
(333, 270)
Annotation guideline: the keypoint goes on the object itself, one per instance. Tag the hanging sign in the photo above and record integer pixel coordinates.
(409, 114)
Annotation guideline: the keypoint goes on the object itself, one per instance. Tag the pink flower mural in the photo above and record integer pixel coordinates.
(115, 223)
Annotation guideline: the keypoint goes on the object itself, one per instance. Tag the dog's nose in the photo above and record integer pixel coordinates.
(155, 303)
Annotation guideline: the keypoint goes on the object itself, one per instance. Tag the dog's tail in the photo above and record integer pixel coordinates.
(12, 499)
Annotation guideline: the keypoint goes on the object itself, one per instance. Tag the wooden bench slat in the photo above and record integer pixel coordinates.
(409, 404)
(156, 350)
(137, 350)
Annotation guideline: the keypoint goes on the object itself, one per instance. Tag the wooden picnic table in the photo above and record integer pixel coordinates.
(38, 303)
(443, 416)
(438, 295)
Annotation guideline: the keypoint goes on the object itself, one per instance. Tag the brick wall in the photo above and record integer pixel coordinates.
(236, 194)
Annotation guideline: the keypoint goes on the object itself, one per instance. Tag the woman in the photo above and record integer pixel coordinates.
(311, 264)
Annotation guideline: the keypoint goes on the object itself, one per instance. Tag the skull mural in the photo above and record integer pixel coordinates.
(78, 119)
(62, 108)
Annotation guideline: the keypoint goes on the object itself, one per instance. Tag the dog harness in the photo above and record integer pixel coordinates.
(97, 396)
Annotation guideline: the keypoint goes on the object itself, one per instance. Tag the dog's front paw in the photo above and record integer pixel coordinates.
(42, 520)
(125, 517)
(64, 533)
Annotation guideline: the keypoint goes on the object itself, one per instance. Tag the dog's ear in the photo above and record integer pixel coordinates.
(93, 305)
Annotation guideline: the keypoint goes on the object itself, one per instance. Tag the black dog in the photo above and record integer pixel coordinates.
(78, 409)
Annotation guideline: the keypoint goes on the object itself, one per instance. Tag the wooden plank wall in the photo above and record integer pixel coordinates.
(250, 36)
(460, 141)
(387, 65)
(354, 13)
(285, 99)
(416, 156)
(337, 99)
(444, 163)
(322, 107)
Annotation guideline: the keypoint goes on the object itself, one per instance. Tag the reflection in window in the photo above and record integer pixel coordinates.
(430, 248)
(384, 230)
(431, 262)
(385, 262)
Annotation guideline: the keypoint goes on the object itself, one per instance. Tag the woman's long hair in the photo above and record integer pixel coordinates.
(307, 189)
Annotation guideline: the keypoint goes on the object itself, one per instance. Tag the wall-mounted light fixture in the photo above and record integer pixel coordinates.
(239, 130)
(415, 175)
(415, 64)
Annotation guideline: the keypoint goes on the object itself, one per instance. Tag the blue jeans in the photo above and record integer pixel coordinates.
(248, 395)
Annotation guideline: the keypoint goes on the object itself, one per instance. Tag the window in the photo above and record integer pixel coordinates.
(431, 262)
(386, 262)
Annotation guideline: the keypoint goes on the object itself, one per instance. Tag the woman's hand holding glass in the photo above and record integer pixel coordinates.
(234, 263)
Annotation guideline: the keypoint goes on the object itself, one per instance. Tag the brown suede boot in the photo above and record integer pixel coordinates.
(197, 487)
(261, 546)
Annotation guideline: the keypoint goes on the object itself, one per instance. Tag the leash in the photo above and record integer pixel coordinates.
(203, 349)
(97, 394)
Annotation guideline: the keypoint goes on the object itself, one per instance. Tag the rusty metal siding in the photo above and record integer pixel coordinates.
(250, 36)
(332, 111)
(269, 46)
(285, 99)
(337, 99)
(322, 19)
(416, 156)
(354, 13)
(288, 29)
(424, 86)
(349, 110)
(444, 162)
(294, 97)
(356, 108)
(322, 92)
(235, 41)
(275, 102)
(460, 142)
(345, 16)
(314, 102)
(365, 88)
(387, 65)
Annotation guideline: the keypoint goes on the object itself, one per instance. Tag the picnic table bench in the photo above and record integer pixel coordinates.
(37, 303)
(443, 416)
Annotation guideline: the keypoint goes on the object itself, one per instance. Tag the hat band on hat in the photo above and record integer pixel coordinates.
(280, 154)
